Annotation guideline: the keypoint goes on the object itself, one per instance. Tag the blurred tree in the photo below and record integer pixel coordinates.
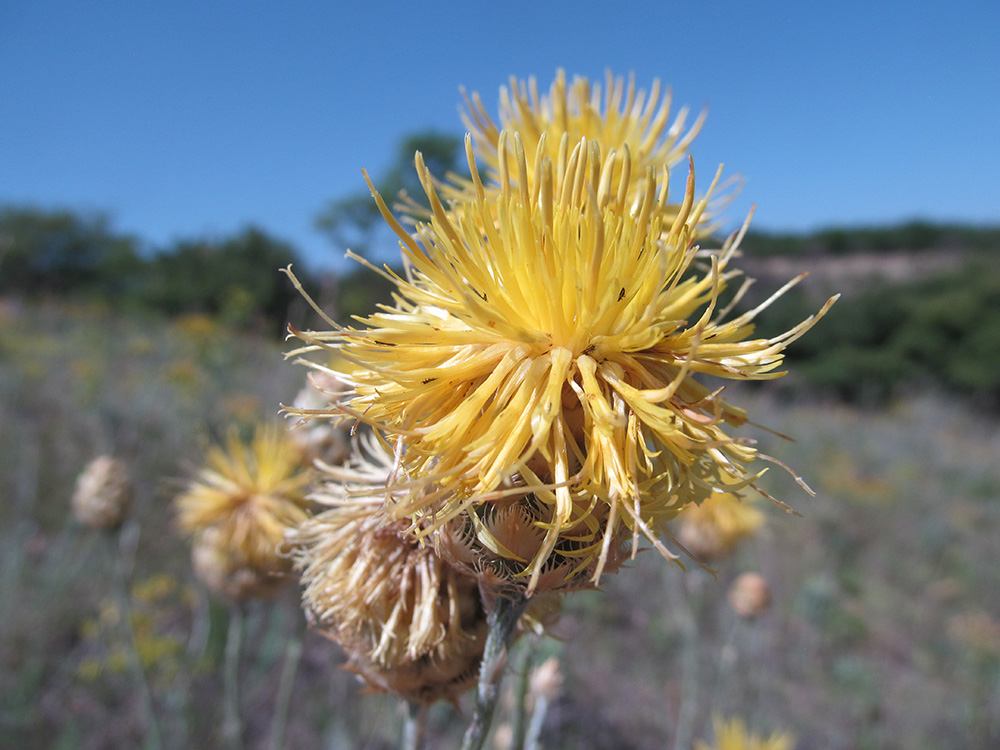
(60, 252)
(237, 279)
(353, 222)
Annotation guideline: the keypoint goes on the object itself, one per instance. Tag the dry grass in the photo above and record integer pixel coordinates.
(884, 630)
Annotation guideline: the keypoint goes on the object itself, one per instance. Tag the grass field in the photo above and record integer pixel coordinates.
(884, 631)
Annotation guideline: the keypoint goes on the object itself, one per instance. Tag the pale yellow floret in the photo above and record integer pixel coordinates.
(734, 735)
(547, 336)
(246, 497)
(571, 112)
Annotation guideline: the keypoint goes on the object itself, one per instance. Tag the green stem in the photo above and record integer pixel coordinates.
(232, 725)
(502, 622)
(415, 726)
(123, 572)
(279, 720)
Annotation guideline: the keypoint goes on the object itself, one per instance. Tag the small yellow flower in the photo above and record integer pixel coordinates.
(734, 735)
(553, 343)
(238, 508)
(408, 622)
(712, 528)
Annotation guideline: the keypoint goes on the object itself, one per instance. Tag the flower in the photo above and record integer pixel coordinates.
(551, 341)
(734, 735)
(712, 528)
(102, 497)
(237, 510)
(408, 622)
(636, 127)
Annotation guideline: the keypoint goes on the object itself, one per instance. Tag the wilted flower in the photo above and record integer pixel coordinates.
(734, 735)
(103, 494)
(408, 622)
(712, 528)
(549, 343)
(749, 595)
(319, 439)
(237, 510)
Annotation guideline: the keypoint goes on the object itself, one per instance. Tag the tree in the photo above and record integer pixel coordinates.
(61, 252)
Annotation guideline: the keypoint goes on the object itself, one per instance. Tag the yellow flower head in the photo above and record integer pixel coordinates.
(635, 126)
(712, 528)
(238, 509)
(734, 735)
(408, 622)
(550, 340)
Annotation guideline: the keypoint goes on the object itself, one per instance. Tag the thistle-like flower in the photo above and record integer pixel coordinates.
(408, 622)
(635, 129)
(102, 497)
(238, 509)
(551, 341)
(734, 735)
(711, 529)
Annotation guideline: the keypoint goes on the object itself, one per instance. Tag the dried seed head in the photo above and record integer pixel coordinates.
(103, 494)
(222, 569)
(409, 623)
(319, 439)
(749, 595)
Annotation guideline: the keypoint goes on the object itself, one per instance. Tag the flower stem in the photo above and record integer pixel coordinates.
(119, 542)
(415, 726)
(282, 702)
(232, 725)
(502, 621)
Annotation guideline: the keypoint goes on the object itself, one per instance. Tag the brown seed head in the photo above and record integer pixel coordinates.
(103, 495)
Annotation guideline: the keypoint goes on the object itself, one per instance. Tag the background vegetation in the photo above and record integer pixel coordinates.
(883, 632)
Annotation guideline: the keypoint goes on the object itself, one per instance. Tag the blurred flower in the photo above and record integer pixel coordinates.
(103, 494)
(319, 439)
(734, 735)
(408, 622)
(749, 595)
(553, 351)
(237, 510)
(711, 529)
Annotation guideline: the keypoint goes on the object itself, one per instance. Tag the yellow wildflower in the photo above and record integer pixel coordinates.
(734, 735)
(635, 126)
(712, 528)
(549, 343)
(237, 510)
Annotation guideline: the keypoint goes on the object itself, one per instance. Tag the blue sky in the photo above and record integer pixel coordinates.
(184, 119)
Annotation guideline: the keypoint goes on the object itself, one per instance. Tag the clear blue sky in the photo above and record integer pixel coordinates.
(184, 119)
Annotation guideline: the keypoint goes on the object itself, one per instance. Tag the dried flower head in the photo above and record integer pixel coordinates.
(319, 439)
(103, 494)
(552, 341)
(749, 595)
(711, 529)
(734, 735)
(238, 508)
(408, 622)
